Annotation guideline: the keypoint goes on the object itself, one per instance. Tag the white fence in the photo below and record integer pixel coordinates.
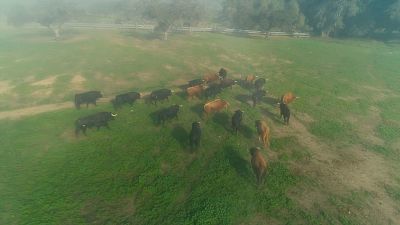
(184, 29)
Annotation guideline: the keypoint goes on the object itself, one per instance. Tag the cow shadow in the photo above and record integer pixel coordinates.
(147, 99)
(272, 116)
(181, 136)
(223, 120)
(245, 99)
(198, 109)
(154, 116)
(246, 131)
(240, 165)
(270, 101)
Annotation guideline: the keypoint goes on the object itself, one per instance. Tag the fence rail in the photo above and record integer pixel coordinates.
(182, 29)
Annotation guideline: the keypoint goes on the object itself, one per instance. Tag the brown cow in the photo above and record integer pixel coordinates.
(250, 78)
(194, 91)
(210, 77)
(288, 98)
(258, 163)
(215, 106)
(263, 132)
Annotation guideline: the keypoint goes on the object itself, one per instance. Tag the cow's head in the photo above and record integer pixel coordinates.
(196, 124)
(99, 94)
(254, 150)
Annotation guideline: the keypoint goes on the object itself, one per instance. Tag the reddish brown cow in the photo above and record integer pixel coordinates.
(194, 91)
(210, 77)
(263, 132)
(250, 78)
(258, 163)
(288, 97)
(215, 106)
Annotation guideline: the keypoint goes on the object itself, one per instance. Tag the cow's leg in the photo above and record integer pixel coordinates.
(87, 104)
(84, 131)
(77, 129)
(106, 125)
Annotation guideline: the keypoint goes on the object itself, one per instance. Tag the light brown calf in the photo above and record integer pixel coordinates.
(215, 106)
(194, 91)
(263, 132)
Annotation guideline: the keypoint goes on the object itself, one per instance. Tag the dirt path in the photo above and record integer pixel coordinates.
(34, 110)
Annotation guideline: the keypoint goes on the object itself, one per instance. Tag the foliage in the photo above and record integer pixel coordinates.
(169, 13)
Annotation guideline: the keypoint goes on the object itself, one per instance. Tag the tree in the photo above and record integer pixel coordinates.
(264, 14)
(53, 14)
(49, 13)
(169, 13)
(328, 17)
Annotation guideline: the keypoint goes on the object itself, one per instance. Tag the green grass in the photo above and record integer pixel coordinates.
(142, 173)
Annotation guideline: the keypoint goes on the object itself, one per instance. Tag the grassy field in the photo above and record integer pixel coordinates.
(338, 162)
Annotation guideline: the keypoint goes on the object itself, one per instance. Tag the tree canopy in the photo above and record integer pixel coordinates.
(321, 17)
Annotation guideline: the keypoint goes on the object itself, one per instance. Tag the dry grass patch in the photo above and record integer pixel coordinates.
(45, 82)
(339, 171)
(5, 87)
(77, 82)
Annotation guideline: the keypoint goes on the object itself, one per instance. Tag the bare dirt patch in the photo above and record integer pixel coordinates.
(5, 87)
(378, 94)
(366, 125)
(42, 93)
(339, 171)
(169, 67)
(145, 77)
(226, 58)
(77, 82)
(45, 82)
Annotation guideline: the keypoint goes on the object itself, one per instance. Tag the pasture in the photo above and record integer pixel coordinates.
(336, 163)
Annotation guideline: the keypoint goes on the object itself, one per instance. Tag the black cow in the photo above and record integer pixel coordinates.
(225, 83)
(87, 97)
(160, 95)
(222, 73)
(257, 96)
(237, 120)
(95, 120)
(195, 135)
(196, 82)
(285, 112)
(127, 98)
(259, 83)
(212, 90)
(168, 113)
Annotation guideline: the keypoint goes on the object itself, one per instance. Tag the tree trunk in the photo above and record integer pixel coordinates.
(56, 33)
(165, 35)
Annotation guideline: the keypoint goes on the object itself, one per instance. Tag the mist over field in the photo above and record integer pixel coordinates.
(199, 112)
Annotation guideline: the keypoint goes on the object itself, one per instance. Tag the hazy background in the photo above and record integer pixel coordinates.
(344, 18)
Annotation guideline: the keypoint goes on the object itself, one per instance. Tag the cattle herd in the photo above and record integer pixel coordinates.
(209, 87)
